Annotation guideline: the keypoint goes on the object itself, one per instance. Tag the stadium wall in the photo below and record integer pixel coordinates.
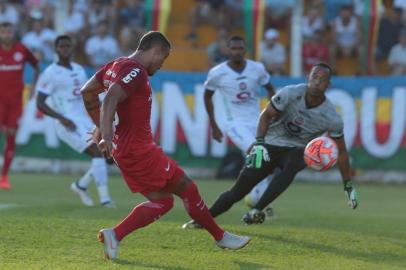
(373, 109)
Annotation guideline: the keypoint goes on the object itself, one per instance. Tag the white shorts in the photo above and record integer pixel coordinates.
(241, 134)
(78, 139)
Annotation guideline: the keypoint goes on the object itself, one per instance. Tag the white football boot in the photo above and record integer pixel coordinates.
(84, 196)
(108, 238)
(232, 241)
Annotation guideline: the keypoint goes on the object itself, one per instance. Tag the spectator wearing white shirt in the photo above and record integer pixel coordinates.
(74, 21)
(101, 47)
(8, 13)
(311, 23)
(40, 40)
(272, 53)
(397, 56)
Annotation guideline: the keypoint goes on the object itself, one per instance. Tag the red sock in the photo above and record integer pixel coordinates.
(8, 153)
(142, 215)
(198, 210)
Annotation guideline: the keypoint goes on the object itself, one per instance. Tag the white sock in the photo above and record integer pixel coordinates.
(100, 175)
(257, 192)
(85, 180)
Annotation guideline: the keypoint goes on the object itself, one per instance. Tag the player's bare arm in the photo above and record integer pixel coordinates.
(114, 96)
(90, 94)
(208, 102)
(270, 90)
(265, 119)
(43, 107)
(34, 80)
(344, 167)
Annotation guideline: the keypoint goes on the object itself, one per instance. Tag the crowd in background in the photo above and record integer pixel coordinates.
(105, 29)
(330, 29)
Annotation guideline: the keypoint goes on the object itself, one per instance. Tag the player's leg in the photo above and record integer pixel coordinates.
(158, 204)
(291, 163)
(243, 136)
(187, 190)
(8, 155)
(247, 179)
(9, 114)
(100, 174)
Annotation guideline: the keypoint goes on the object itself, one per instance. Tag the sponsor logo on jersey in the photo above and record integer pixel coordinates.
(11, 67)
(243, 95)
(111, 73)
(18, 56)
(132, 74)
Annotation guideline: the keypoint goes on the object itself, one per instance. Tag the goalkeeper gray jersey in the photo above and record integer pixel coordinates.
(298, 124)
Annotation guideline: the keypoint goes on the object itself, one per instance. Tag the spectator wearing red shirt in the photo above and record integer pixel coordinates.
(314, 51)
(13, 56)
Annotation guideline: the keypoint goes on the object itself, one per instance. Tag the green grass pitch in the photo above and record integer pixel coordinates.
(44, 226)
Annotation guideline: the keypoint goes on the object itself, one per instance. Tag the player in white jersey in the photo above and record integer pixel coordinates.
(61, 83)
(295, 115)
(239, 81)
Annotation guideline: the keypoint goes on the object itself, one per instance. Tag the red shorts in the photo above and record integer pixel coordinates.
(151, 172)
(10, 112)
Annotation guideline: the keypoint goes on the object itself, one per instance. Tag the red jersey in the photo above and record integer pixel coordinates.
(313, 54)
(11, 70)
(133, 133)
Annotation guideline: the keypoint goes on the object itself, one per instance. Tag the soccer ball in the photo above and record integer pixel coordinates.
(321, 153)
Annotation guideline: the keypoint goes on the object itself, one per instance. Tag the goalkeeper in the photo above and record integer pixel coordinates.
(295, 115)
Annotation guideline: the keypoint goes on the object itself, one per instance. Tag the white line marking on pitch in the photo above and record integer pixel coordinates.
(4, 206)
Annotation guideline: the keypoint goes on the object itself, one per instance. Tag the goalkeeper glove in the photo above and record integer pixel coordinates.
(351, 194)
(257, 154)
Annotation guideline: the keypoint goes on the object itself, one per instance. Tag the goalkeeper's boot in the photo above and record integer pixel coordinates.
(84, 196)
(4, 183)
(109, 204)
(191, 225)
(108, 238)
(254, 216)
(232, 241)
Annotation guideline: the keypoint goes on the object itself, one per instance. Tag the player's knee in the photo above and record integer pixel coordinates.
(166, 203)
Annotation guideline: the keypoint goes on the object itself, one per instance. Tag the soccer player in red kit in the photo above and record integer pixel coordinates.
(143, 165)
(13, 56)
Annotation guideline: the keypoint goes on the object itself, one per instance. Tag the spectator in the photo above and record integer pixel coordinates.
(389, 31)
(397, 56)
(101, 47)
(74, 21)
(312, 22)
(207, 11)
(278, 13)
(332, 9)
(131, 22)
(40, 39)
(97, 12)
(217, 51)
(346, 34)
(273, 53)
(8, 13)
(402, 5)
(314, 51)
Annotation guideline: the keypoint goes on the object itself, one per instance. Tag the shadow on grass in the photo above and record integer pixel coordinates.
(141, 264)
(376, 257)
(251, 266)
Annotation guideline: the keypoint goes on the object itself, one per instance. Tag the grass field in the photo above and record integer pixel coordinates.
(44, 226)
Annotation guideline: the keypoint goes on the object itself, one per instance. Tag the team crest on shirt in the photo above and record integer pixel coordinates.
(242, 86)
(18, 56)
(298, 120)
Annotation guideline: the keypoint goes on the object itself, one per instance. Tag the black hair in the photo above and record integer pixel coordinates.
(235, 38)
(325, 66)
(152, 39)
(62, 37)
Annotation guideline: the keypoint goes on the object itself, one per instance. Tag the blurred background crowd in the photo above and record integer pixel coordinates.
(331, 31)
